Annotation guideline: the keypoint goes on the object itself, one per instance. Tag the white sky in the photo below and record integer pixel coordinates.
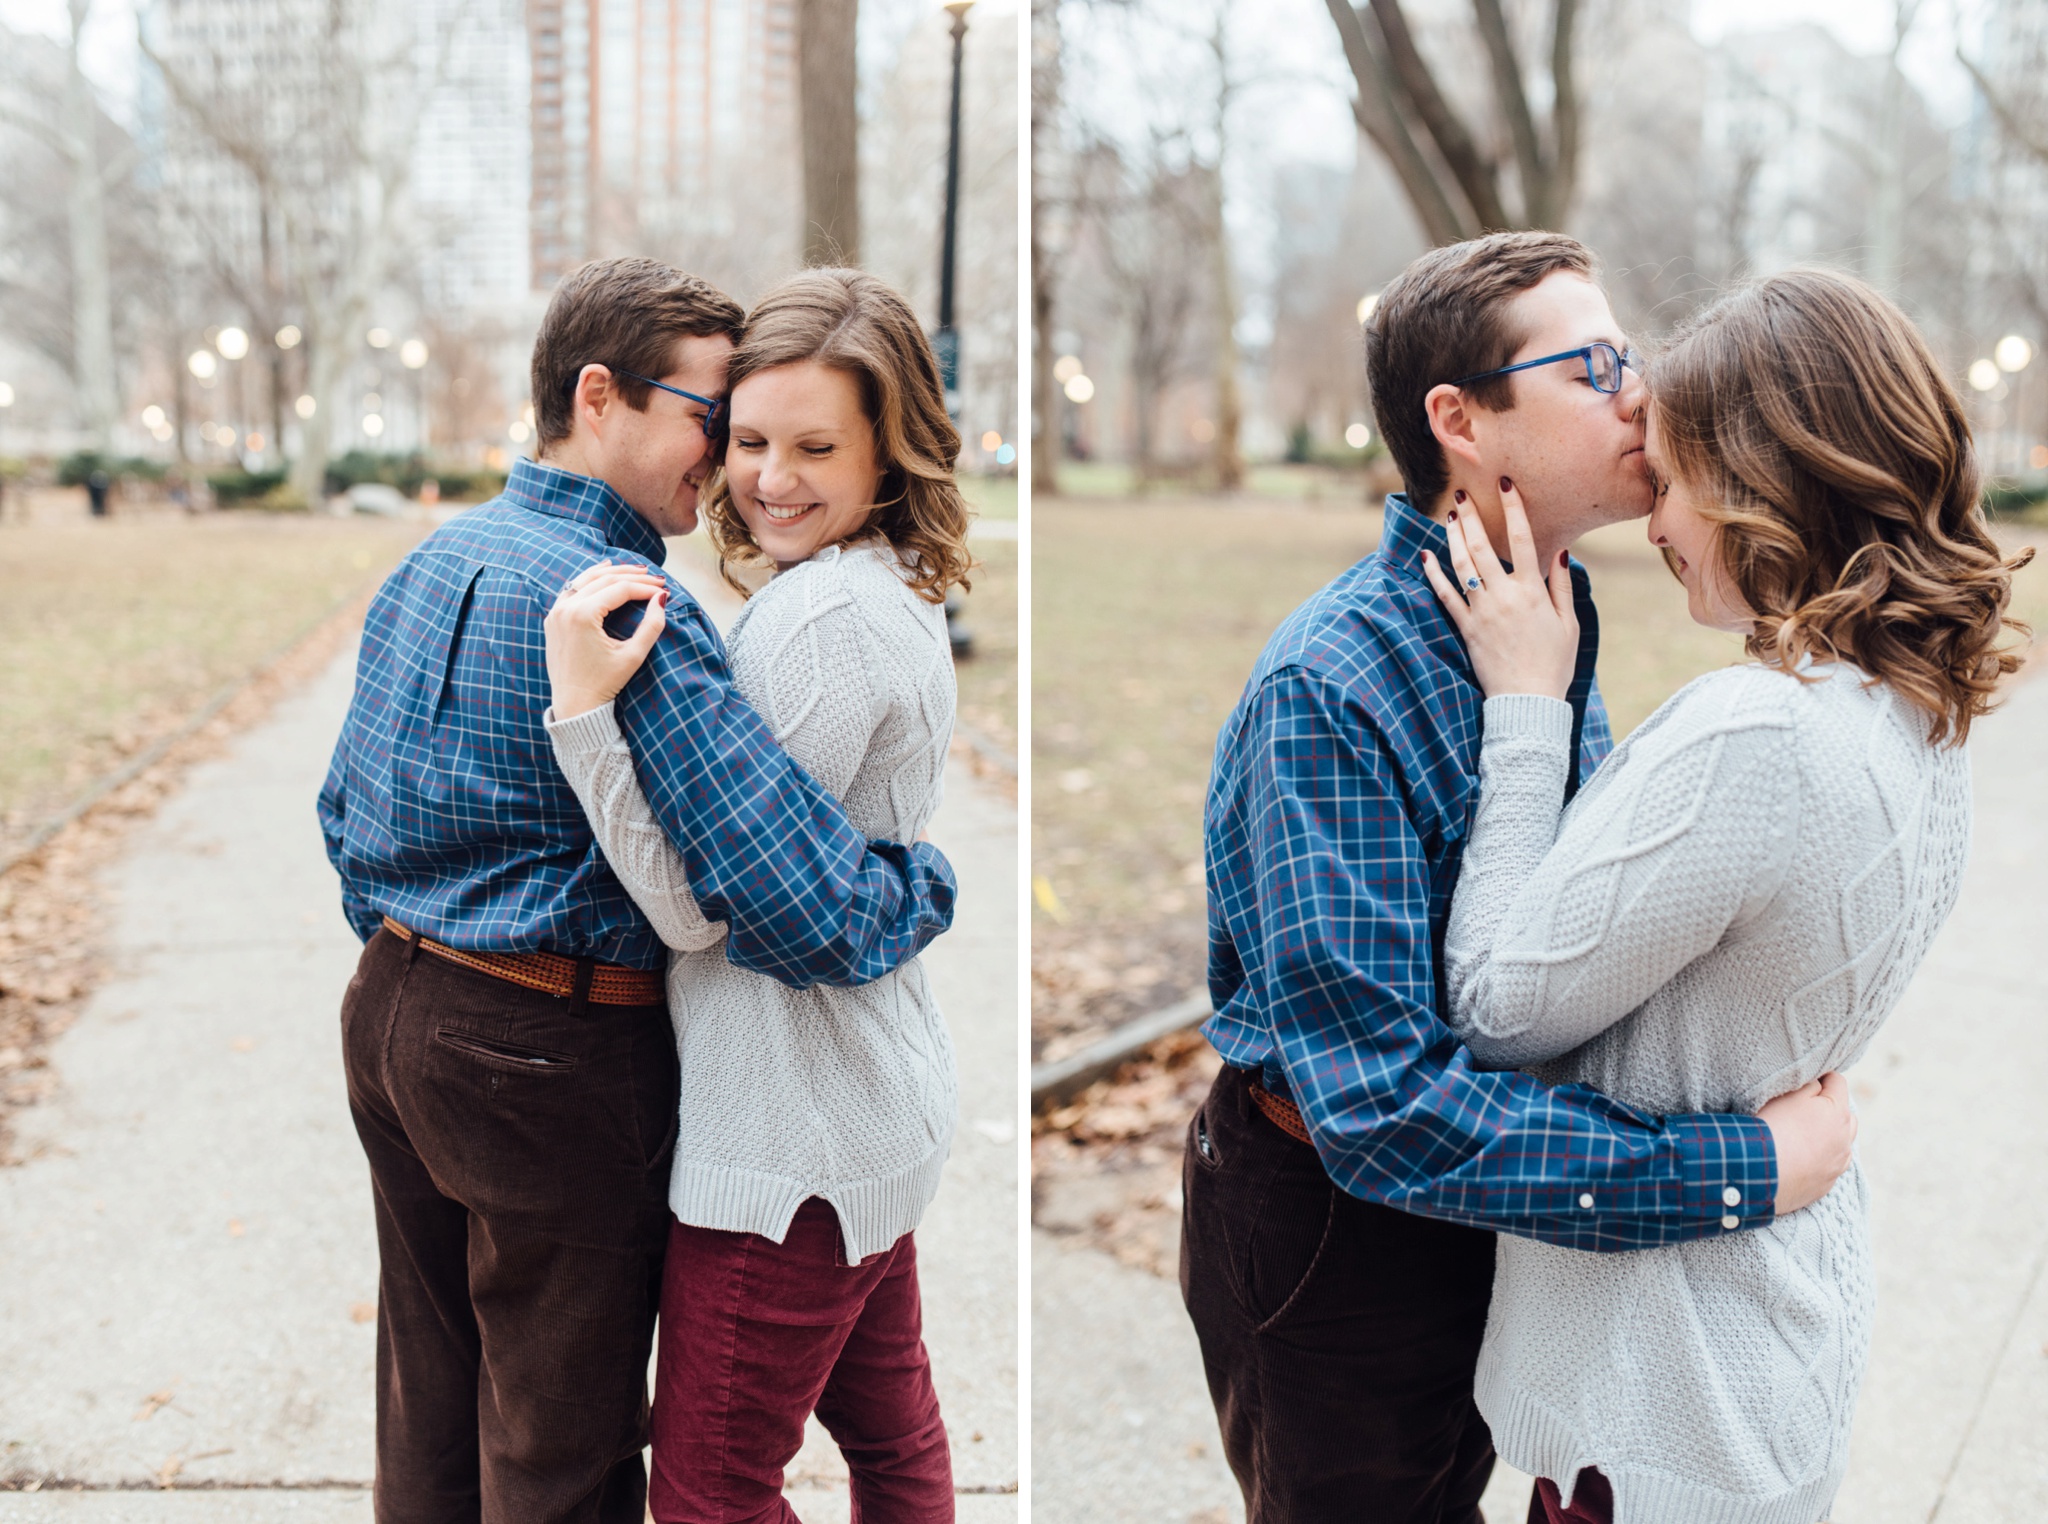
(110, 52)
(1305, 115)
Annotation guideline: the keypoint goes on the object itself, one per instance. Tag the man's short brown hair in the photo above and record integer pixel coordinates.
(1446, 316)
(624, 314)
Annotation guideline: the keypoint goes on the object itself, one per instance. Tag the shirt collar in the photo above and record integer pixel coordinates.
(1407, 532)
(546, 488)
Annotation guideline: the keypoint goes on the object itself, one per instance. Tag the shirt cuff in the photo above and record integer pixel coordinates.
(587, 733)
(1531, 716)
(1728, 1168)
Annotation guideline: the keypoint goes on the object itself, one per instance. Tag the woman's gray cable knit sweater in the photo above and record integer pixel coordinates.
(1728, 909)
(844, 1093)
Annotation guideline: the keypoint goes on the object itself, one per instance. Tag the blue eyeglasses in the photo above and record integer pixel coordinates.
(712, 420)
(1604, 365)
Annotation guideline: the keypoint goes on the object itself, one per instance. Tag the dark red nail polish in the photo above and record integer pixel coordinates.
(1564, 558)
(1454, 515)
(1458, 496)
(1506, 485)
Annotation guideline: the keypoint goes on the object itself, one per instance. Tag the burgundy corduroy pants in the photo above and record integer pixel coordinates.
(754, 1337)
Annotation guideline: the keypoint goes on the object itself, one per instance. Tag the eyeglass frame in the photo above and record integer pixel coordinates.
(1624, 359)
(713, 430)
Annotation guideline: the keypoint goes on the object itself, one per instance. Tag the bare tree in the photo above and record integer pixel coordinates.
(1147, 226)
(1045, 113)
(829, 82)
(1455, 182)
(78, 132)
(1226, 456)
(320, 113)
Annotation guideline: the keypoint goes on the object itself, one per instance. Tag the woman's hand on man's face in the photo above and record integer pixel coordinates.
(1521, 629)
(586, 666)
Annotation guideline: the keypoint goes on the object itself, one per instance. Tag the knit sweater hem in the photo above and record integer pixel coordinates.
(873, 1213)
(1532, 1437)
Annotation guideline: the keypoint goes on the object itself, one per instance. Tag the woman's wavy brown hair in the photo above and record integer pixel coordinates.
(855, 323)
(1811, 417)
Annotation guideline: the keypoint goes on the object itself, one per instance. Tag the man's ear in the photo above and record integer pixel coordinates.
(593, 397)
(1451, 421)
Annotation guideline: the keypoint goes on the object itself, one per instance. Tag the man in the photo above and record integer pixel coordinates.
(510, 1064)
(1347, 1172)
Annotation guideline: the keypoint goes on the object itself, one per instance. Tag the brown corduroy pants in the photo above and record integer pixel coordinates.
(519, 1147)
(1339, 1336)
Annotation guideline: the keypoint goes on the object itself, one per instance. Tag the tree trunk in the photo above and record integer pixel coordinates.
(92, 308)
(1045, 387)
(1229, 462)
(827, 79)
(1457, 192)
(1888, 203)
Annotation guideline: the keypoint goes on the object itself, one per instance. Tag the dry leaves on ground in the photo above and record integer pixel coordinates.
(1087, 981)
(51, 928)
(1105, 1165)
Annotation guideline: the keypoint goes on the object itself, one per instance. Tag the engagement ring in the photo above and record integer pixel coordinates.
(1472, 582)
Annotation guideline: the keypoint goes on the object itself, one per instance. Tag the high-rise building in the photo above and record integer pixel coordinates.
(657, 124)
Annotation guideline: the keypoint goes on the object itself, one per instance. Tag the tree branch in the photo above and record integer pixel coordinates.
(1564, 116)
(2007, 118)
(1513, 95)
(1380, 120)
(1474, 174)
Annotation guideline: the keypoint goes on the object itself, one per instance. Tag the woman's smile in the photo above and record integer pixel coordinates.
(801, 459)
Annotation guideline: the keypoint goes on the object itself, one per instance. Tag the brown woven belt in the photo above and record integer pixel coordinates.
(1281, 1112)
(550, 973)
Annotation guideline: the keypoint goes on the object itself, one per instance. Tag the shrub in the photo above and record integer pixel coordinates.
(239, 486)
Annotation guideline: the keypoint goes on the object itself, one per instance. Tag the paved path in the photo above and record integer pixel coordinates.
(187, 1272)
(1953, 1423)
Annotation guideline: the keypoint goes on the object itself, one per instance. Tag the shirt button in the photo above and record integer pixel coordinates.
(1732, 1196)
(1731, 1222)
(1586, 1200)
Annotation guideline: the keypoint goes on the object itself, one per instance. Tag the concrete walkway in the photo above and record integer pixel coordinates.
(188, 1273)
(1952, 1427)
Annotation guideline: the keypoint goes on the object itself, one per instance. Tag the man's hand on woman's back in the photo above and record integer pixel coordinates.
(1814, 1132)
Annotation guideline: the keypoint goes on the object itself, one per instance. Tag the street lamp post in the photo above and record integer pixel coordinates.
(946, 342)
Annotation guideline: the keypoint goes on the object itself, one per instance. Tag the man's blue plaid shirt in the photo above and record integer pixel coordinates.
(444, 808)
(1344, 785)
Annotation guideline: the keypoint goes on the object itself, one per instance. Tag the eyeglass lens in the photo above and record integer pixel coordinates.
(1605, 367)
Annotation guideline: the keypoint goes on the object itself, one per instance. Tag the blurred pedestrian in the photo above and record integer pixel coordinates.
(96, 484)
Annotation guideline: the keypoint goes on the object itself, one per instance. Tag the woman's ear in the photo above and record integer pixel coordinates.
(1451, 421)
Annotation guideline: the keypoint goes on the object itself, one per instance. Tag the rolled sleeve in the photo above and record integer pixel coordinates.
(767, 849)
(1326, 890)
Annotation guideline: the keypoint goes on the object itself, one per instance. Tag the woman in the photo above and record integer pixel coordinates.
(814, 1122)
(1733, 904)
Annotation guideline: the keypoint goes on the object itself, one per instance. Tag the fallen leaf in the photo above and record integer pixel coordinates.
(151, 1403)
(167, 1473)
(362, 1312)
(243, 1044)
(234, 1227)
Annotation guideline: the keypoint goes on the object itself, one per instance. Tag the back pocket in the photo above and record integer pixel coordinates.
(511, 1054)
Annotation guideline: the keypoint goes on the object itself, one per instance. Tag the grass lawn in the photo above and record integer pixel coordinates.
(992, 497)
(1146, 621)
(112, 632)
